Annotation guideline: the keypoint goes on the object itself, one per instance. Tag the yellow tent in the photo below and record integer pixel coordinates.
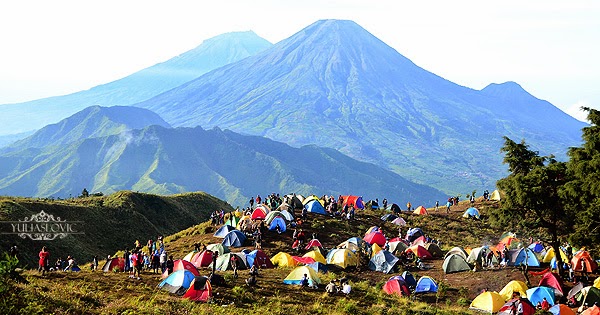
(490, 302)
(550, 254)
(420, 210)
(313, 197)
(513, 286)
(296, 275)
(189, 256)
(375, 249)
(283, 260)
(316, 255)
(495, 195)
(597, 283)
(349, 245)
(342, 258)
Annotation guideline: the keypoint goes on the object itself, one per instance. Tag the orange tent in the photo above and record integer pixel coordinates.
(582, 261)
(420, 210)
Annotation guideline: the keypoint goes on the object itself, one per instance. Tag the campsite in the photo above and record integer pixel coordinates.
(443, 284)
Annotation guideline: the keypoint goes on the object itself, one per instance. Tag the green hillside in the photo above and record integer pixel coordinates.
(110, 222)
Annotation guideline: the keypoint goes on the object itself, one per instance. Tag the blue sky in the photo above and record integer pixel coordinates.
(549, 47)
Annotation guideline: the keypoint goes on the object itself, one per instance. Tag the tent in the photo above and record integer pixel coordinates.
(490, 302)
(597, 283)
(471, 212)
(550, 254)
(561, 309)
(536, 247)
(511, 307)
(118, 263)
(181, 264)
(383, 261)
(200, 290)
(224, 261)
(178, 282)
(355, 201)
(537, 294)
(311, 198)
(455, 263)
(190, 255)
(513, 286)
(413, 234)
(258, 214)
(313, 243)
(234, 238)
(342, 257)
(582, 261)
(426, 284)
(375, 238)
(372, 229)
(434, 250)
(318, 267)
(315, 206)
(316, 255)
(295, 277)
(420, 210)
(399, 221)
(287, 215)
(419, 251)
(303, 260)
(219, 248)
(421, 240)
(271, 215)
(232, 220)
(592, 296)
(552, 280)
(394, 208)
(397, 247)
(375, 249)
(282, 259)
(594, 310)
(222, 231)
(295, 201)
(523, 256)
(396, 285)
(458, 251)
(347, 245)
(477, 253)
(372, 205)
(259, 259)
(202, 259)
(278, 222)
(575, 290)
(410, 279)
(389, 217)
(495, 195)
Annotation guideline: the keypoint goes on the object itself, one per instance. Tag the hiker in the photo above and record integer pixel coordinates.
(215, 254)
(251, 203)
(126, 258)
(448, 205)
(95, 263)
(384, 203)
(155, 261)
(346, 288)
(170, 264)
(234, 265)
(163, 261)
(135, 260)
(70, 264)
(545, 305)
(408, 206)
(58, 265)
(331, 288)
(437, 205)
(251, 281)
(253, 270)
(472, 200)
(258, 240)
(258, 199)
(44, 259)
(489, 257)
(304, 281)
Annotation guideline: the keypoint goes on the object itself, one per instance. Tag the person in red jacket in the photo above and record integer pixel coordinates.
(44, 259)
(545, 305)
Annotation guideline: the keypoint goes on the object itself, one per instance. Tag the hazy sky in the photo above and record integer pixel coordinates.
(550, 47)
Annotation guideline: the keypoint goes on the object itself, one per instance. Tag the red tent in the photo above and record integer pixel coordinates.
(303, 260)
(420, 210)
(313, 243)
(202, 259)
(375, 238)
(396, 285)
(200, 290)
(550, 279)
(181, 264)
(507, 309)
(114, 263)
(354, 201)
(420, 251)
(582, 261)
(258, 214)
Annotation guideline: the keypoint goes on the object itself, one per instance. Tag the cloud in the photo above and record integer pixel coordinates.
(575, 110)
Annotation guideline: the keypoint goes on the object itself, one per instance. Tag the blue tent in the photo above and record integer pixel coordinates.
(234, 238)
(222, 231)
(278, 222)
(523, 256)
(178, 282)
(318, 267)
(537, 294)
(410, 279)
(383, 261)
(471, 212)
(426, 284)
(536, 247)
(315, 206)
(413, 234)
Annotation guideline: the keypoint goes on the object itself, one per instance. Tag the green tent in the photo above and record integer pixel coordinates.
(224, 261)
(455, 263)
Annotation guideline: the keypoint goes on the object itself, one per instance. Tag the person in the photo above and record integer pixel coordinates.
(170, 264)
(58, 266)
(472, 200)
(44, 259)
(384, 203)
(135, 264)
(126, 257)
(251, 281)
(304, 281)
(254, 270)
(331, 288)
(545, 305)
(215, 254)
(234, 265)
(489, 259)
(95, 263)
(251, 203)
(437, 205)
(258, 240)
(70, 264)
(155, 261)
(14, 251)
(448, 205)
(408, 206)
(163, 261)
(346, 288)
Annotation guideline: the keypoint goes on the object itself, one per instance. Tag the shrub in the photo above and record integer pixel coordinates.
(463, 301)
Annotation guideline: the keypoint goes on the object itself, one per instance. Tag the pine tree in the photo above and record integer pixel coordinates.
(582, 192)
(532, 198)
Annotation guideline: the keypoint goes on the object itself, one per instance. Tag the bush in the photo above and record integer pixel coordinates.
(8, 264)
(463, 301)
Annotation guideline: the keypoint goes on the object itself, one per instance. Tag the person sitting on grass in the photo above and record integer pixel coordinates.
(346, 288)
(254, 271)
(251, 282)
(331, 288)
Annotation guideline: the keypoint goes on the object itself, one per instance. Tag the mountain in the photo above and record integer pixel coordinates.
(336, 85)
(92, 122)
(109, 223)
(225, 164)
(211, 54)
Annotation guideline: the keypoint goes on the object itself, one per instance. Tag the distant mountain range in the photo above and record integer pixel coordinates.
(211, 54)
(333, 84)
(336, 85)
(160, 160)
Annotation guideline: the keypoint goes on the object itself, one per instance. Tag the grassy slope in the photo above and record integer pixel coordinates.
(110, 222)
(95, 292)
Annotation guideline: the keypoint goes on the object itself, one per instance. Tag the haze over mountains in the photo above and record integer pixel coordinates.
(211, 54)
(332, 84)
(163, 160)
